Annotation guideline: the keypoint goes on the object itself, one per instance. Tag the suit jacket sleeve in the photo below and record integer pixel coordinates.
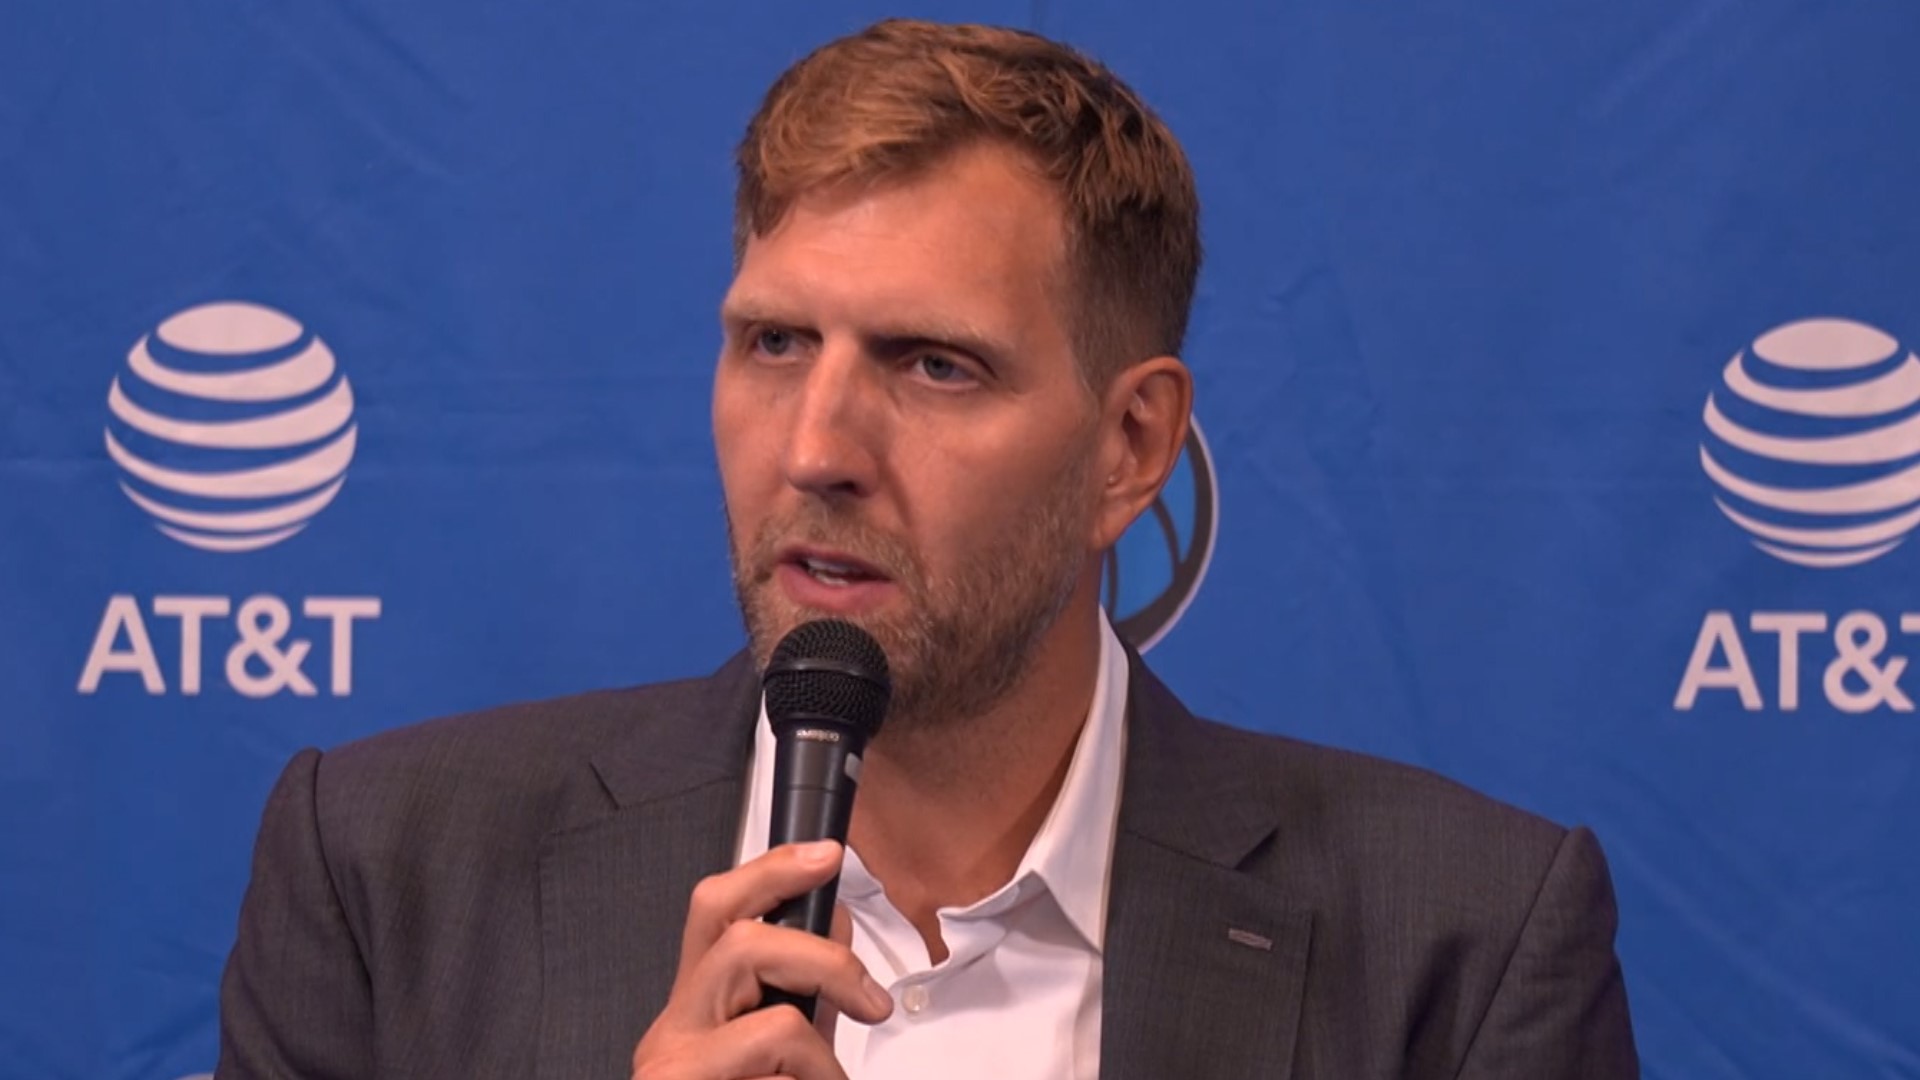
(1560, 1011)
(295, 1001)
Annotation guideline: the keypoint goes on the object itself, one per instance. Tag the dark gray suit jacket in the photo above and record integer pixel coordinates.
(501, 895)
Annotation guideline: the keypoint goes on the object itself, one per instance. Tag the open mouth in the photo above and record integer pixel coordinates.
(833, 569)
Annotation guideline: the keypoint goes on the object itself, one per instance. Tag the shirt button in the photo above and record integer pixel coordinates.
(916, 999)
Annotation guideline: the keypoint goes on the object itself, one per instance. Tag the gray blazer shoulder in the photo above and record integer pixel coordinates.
(1437, 932)
(522, 757)
(416, 869)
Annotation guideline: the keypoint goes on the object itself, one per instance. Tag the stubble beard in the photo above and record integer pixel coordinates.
(961, 641)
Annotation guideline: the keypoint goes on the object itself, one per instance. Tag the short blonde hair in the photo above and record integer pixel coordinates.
(902, 93)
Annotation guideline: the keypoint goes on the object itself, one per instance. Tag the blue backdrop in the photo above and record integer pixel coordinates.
(354, 363)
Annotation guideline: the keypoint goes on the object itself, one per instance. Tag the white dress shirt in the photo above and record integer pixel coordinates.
(1018, 996)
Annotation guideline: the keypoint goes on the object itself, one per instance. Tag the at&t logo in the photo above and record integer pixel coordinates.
(1813, 445)
(1811, 440)
(232, 426)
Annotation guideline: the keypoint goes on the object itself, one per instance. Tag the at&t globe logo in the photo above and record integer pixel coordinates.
(1154, 571)
(232, 426)
(1813, 440)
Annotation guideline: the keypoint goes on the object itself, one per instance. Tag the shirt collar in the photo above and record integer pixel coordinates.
(1072, 852)
(1074, 847)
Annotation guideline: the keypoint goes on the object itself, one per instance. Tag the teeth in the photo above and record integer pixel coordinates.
(830, 573)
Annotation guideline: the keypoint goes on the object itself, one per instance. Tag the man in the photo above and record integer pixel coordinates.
(948, 383)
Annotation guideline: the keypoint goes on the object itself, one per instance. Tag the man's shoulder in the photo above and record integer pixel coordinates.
(528, 765)
(521, 736)
(1311, 789)
(1374, 791)
(1347, 822)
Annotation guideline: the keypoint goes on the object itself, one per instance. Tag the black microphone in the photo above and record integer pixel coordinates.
(826, 693)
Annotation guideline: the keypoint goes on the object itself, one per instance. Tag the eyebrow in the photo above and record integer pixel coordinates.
(886, 336)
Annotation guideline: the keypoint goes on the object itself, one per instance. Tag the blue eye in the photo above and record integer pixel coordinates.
(773, 342)
(940, 369)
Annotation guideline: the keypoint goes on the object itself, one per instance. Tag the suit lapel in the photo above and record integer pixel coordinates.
(614, 890)
(1204, 965)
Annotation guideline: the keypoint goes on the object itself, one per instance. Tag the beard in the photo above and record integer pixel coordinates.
(961, 639)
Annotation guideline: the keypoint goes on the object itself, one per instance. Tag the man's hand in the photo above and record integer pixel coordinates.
(711, 1028)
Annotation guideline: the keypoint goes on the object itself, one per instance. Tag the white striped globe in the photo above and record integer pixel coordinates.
(1842, 496)
(276, 456)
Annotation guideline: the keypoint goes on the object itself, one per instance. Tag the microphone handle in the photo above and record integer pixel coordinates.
(814, 779)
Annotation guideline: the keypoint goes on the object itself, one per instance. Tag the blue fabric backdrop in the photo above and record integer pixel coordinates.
(1476, 268)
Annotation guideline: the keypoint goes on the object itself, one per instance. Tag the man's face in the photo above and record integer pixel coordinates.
(902, 431)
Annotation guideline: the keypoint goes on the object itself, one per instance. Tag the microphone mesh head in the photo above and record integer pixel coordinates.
(828, 669)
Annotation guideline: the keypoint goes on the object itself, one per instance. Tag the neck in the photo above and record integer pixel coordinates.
(947, 811)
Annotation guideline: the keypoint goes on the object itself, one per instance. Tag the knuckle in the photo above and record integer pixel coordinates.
(657, 1070)
(708, 895)
(850, 968)
(738, 937)
(742, 997)
(738, 946)
(648, 1063)
(786, 1023)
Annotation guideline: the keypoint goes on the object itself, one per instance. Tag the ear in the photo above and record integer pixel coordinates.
(1144, 418)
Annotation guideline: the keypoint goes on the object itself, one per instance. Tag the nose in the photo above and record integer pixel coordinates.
(831, 447)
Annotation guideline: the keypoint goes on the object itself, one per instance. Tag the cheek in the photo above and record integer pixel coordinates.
(733, 445)
(971, 494)
(734, 431)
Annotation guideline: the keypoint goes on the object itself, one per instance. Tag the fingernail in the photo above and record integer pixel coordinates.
(817, 853)
(882, 1001)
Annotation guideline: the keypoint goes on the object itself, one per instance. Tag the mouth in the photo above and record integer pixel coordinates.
(834, 569)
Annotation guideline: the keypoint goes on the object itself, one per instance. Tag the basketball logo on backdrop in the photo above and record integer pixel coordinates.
(1813, 441)
(232, 426)
(1813, 446)
(1154, 571)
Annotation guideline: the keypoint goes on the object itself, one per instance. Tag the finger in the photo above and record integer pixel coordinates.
(752, 955)
(842, 930)
(770, 1042)
(752, 889)
(827, 1014)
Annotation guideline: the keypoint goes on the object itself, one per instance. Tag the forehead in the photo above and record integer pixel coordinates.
(974, 236)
